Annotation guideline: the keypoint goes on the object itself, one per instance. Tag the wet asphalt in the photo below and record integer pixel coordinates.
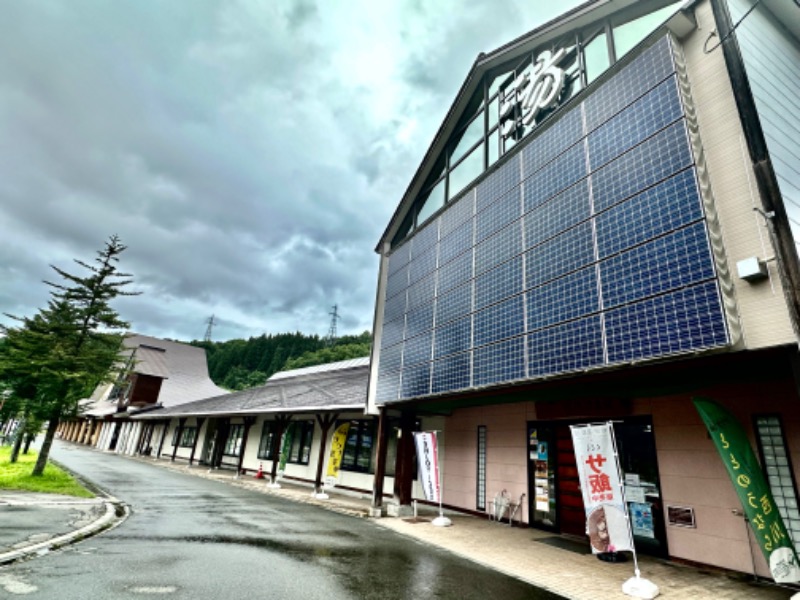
(191, 538)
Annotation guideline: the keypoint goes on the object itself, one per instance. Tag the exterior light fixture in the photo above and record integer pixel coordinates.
(752, 269)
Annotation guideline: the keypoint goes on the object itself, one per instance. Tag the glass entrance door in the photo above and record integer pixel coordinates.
(556, 502)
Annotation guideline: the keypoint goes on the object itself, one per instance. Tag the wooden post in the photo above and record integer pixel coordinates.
(248, 423)
(325, 422)
(281, 422)
(405, 460)
(380, 465)
(200, 421)
(223, 430)
(164, 432)
(181, 423)
(142, 438)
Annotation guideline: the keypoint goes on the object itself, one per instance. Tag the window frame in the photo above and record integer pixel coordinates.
(480, 471)
(763, 463)
(185, 435)
(268, 432)
(234, 441)
(301, 443)
(359, 426)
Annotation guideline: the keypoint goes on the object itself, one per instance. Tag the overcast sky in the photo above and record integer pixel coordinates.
(249, 154)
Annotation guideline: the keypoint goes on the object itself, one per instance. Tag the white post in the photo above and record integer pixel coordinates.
(635, 586)
(441, 520)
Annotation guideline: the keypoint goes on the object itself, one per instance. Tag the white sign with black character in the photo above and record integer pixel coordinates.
(536, 89)
(429, 473)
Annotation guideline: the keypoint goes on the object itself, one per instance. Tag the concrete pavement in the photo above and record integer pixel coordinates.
(36, 523)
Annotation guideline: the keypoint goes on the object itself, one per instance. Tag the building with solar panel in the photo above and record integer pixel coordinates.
(603, 228)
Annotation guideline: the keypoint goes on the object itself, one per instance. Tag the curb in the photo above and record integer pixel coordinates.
(116, 512)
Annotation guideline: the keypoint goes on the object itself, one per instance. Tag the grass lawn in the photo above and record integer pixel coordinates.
(53, 481)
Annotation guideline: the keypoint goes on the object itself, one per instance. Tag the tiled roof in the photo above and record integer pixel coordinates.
(340, 386)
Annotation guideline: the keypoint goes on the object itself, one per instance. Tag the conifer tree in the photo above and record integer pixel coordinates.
(64, 351)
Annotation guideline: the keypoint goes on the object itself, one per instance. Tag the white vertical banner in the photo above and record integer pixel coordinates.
(428, 464)
(607, 523)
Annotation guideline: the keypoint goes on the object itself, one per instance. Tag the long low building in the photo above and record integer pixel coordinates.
(303, 407)
(152, 373)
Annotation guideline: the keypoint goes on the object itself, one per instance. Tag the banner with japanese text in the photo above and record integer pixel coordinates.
(337, 450)
(751, 486)
(607, 523)
(428, 464)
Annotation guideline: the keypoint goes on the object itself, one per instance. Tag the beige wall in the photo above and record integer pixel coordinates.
(691, 471)
(764, 317)
(506, 460)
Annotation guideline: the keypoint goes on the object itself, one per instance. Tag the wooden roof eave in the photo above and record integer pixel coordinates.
(256, 411)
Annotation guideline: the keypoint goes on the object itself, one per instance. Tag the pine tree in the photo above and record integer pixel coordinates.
(66, 349)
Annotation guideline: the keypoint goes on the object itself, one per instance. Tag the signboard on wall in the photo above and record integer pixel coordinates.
(536, 89)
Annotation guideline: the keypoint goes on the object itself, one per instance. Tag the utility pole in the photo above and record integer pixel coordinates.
(210, 322)
(330, 340)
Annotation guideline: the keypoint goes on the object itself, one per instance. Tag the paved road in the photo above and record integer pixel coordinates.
(190, 538)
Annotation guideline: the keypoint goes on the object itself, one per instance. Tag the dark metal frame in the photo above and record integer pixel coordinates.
(480, 471)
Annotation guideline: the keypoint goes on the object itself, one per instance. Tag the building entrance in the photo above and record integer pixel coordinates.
(555, 496)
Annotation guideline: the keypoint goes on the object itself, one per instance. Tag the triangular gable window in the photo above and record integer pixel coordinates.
(513, 99)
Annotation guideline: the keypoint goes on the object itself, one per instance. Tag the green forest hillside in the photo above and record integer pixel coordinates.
(241, 364)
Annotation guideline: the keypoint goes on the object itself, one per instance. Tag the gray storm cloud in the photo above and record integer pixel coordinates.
(248, 153)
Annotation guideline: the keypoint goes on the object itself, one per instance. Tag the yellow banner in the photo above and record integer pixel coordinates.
(337, 449)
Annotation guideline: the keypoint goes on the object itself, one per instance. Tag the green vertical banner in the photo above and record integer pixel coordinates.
(752, 488)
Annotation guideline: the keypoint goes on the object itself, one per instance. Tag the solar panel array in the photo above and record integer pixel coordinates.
(586, 248)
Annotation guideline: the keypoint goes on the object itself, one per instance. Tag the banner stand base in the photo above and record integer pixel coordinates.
(320, 496)
(274, 486)
(639, 587)
(441, 521)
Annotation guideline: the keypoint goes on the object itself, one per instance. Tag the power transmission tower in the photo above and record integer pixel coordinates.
(330, 340)
(210, 322)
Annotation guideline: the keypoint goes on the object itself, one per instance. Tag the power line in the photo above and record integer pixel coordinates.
(713, 34)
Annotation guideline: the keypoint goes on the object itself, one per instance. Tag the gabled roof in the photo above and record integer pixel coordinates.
(577, 18)
(150, 361)
(183, 368)
(333, 387)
